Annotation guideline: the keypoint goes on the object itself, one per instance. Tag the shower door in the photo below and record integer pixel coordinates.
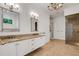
(72, 28)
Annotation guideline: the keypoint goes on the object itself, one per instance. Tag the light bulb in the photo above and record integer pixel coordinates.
(60, 5)
(16, 6)
(10, 4)
(33, 14)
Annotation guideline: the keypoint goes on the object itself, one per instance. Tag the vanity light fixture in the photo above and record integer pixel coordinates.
(11, 6)
(16, 6)
(34, 15)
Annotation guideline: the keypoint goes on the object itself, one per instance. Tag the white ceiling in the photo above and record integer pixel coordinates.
(53, 12)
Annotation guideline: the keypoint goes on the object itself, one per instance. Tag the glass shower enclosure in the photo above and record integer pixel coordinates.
(72, 29)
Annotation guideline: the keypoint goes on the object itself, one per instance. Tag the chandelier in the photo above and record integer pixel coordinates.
(55, 6)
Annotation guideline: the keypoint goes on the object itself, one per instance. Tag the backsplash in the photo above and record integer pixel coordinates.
(17, 36)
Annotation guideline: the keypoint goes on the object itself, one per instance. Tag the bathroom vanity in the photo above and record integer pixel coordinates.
(20, 45)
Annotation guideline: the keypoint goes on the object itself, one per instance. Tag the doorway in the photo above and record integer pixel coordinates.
(51, 27)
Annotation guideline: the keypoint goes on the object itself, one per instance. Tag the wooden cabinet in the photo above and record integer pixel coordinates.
(8, 49)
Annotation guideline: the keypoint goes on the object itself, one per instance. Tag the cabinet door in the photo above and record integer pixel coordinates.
(30, 44)
(8, 49)
(36, 43)
(22, 47)
(42, 41)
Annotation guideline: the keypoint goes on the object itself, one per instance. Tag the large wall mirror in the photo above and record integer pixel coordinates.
(34, 25)
(0, 19)
(9, 20)
(34, 21)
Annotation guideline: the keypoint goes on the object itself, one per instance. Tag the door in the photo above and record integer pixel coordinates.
(51, 28)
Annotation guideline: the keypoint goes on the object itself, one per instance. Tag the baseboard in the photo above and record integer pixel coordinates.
(57, 39)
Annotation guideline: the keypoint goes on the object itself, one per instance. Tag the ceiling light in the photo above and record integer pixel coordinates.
(55, 6)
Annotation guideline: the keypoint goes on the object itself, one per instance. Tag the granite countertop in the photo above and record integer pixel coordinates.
(5, 41)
